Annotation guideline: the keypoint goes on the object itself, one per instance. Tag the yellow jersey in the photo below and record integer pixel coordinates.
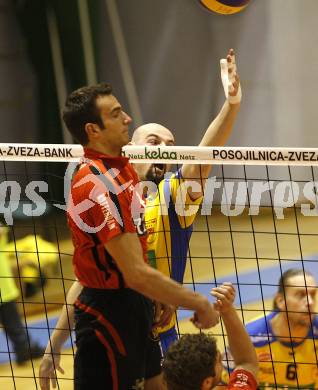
(283, 365)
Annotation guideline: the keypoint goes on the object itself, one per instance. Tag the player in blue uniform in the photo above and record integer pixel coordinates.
(286, 339)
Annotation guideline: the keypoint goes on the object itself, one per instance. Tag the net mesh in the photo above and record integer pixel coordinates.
(258, 218)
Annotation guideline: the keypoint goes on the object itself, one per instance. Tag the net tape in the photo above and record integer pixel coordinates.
(168, 154)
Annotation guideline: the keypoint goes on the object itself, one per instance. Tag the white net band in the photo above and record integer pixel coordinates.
(168, 154)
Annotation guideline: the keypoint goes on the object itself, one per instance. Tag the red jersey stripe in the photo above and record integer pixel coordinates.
(111, 357)
(102, 320)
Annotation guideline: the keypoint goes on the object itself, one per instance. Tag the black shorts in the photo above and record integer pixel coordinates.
(115, 346)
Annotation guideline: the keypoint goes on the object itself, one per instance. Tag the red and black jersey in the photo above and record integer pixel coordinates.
(103, 204)
(242, 379)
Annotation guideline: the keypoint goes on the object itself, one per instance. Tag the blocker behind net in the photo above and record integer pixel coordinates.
(257, 219)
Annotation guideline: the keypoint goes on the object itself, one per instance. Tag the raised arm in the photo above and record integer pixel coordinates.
(221, 127)
(240, 344)
(52, 356)
(127, 252)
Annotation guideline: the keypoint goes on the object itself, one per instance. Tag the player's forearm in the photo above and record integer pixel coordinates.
(216, 134)
(65, 322)
(157, 286)
(127, 252)
(240, 343)
(62, 330)
(221, 127)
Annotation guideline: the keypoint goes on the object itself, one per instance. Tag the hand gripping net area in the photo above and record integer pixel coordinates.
(257, 218)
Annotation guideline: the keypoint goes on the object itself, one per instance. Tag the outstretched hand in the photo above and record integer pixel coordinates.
(225, 295)
(230, 78)
(47, 372)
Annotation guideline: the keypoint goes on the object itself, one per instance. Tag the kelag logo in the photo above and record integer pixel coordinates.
(158, 154)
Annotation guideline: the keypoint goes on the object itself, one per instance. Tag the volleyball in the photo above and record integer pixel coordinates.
(225, 7)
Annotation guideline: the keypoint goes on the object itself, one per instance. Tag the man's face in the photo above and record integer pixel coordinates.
(115, 121)
(152, 134)
(218, 370)
(212, 381)
(300, 300)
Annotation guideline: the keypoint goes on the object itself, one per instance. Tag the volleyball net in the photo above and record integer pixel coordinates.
(257, 218)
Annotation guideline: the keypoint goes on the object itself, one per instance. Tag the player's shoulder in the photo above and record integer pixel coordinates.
(83, 169)
(260, 322)
(242, 378)
(91, 173)
(259, 329)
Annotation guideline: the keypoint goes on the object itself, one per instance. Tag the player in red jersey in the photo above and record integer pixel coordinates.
(149, 134)
(194, 362)
(114, 312)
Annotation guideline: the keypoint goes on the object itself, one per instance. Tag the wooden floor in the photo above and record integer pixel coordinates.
(238, 244)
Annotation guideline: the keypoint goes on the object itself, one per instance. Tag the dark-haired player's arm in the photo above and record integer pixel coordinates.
(221, 127)
(126, 250)
(240, 344)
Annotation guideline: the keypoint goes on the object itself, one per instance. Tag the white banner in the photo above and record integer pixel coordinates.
(222, 155)
(40, 152)
(168, 154)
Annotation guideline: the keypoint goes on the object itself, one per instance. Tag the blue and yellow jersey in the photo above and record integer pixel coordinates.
(284, 365)
(169, 217)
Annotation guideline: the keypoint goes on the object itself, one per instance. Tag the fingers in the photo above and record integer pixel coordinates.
(232, 74)
(195, 321)
(157, 314)
(165, 316)
(223, 65)
(227, 286)
(47, 373)
(234, 81)
(235, 86)
(231, 52)
(53, 381)
(223, 292)
(231, 61)
(206, 320)
(44, 375)
(45, 383)
(225, 296)
(45, 379)
(60, 369)
(53, 375)
(230, 79)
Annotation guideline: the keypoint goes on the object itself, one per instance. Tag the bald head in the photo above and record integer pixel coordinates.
(152, 134)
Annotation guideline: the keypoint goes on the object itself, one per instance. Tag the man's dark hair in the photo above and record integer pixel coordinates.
(80, 108)
(284, 279)
(189, 361)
